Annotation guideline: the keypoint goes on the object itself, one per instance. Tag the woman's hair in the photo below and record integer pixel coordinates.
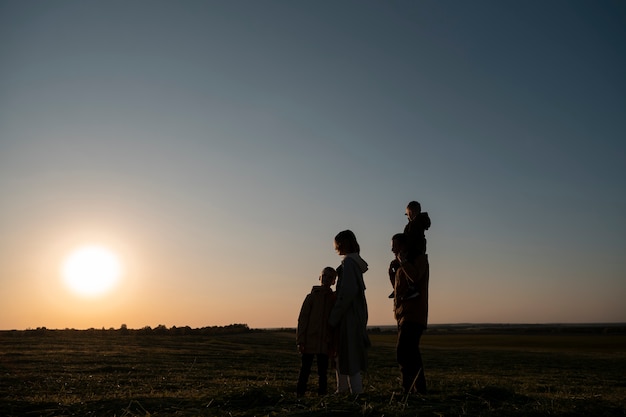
(346, 242)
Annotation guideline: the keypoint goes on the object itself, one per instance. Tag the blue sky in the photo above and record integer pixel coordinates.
(218, 147)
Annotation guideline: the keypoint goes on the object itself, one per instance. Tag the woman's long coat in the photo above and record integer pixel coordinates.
(349, 316)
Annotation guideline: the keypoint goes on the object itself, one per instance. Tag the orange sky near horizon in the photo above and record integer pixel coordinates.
(217, 150)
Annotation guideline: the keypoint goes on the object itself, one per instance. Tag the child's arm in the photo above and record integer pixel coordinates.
(303, 323)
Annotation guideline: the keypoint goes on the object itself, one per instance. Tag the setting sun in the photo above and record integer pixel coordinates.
(91, 271)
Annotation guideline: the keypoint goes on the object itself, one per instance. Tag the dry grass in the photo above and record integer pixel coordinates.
(104, 373)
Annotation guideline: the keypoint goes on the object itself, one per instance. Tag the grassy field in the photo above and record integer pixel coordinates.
(107, 373)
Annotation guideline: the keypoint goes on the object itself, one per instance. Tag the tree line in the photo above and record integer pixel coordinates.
(161, 329)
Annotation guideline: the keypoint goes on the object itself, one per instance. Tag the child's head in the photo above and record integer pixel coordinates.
(413, 209)
(328, 276)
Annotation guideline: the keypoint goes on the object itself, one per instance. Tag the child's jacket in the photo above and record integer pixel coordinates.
(313, 331)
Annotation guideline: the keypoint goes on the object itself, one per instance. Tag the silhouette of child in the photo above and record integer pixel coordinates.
(314, 336)
(418, 223)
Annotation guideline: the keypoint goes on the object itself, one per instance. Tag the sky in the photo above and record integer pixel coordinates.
(215, 148)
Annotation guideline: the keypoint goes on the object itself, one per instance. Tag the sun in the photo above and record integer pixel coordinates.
(91, 271)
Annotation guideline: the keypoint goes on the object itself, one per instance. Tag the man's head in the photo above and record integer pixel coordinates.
(398, 243)
(328, 276)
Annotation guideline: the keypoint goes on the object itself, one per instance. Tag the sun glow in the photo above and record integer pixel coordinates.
(91, 271)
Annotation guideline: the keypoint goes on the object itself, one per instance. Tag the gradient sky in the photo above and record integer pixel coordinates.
(218, 146)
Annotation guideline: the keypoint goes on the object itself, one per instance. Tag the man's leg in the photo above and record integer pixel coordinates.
(410, 358)
(420, 383)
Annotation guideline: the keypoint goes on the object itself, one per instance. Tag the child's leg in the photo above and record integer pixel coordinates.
(305, 370)
(322, 373)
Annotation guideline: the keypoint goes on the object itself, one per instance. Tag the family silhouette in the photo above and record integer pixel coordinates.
(332, 325)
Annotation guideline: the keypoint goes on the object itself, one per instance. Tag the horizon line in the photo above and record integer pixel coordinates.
(372, 326)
